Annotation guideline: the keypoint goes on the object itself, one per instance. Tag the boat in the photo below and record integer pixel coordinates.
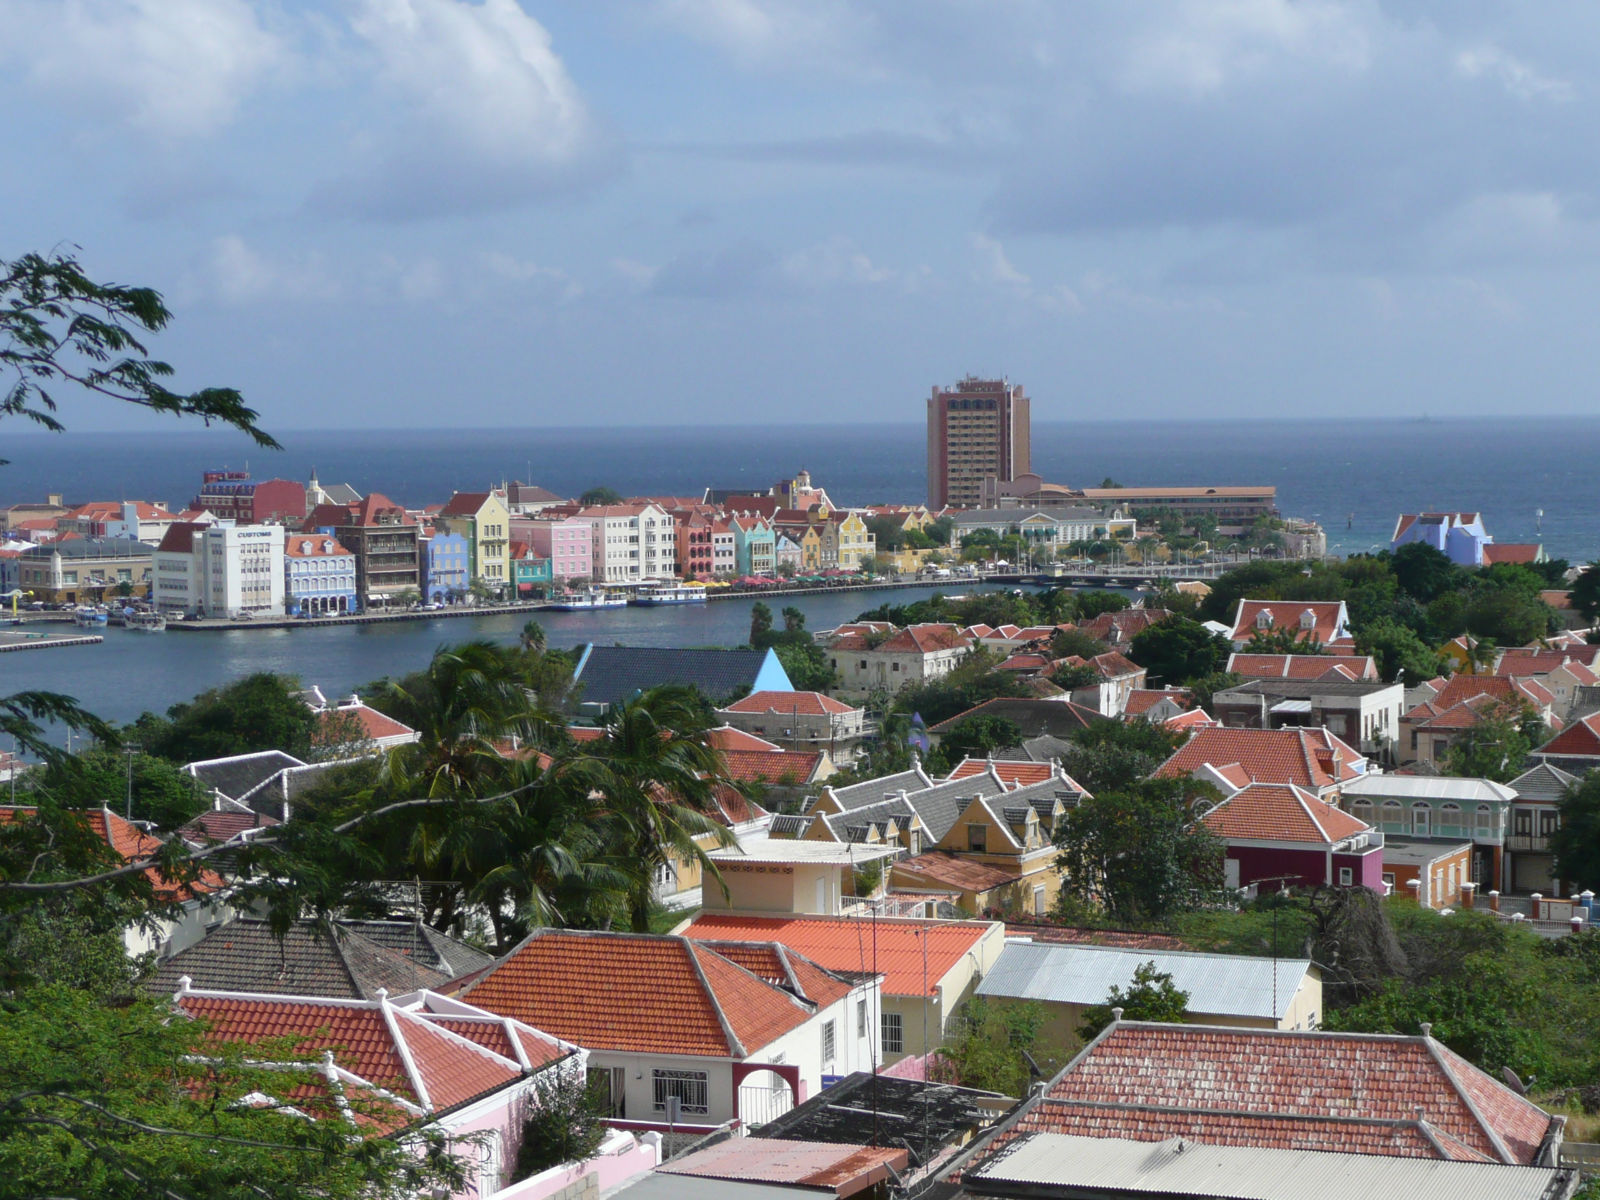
(89, 618)
(669, 593)
(584, 601)
(148, 622)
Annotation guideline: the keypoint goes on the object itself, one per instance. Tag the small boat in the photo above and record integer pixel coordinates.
(584, 601)
(669, 593)
(89, 618)
(148, 622)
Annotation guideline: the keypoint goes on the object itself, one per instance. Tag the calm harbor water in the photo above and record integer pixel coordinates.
(131, 672)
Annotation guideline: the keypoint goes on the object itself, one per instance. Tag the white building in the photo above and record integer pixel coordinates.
(632, 542)
(221, 570)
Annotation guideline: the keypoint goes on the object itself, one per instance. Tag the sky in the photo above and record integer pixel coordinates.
(469, 213)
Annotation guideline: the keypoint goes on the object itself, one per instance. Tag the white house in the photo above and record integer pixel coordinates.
(220, 570)
(868, 660)
(631, 542)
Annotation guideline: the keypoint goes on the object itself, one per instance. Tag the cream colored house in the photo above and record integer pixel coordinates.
(485, 521)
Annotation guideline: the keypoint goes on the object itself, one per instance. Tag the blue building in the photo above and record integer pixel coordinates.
(445, 561)
(319, 575)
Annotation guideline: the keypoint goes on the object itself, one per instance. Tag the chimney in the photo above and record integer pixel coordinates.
(1467, 890)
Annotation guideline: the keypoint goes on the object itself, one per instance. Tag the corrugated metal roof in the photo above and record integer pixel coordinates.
(1104, 1166)
(1218, 984)
(1428, 787)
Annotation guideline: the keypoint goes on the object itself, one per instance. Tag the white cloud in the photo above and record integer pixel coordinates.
(1514, 75)
(550, 281)
(837, 261)
(790, 33)
(474, 109)
(995, 269)
(637, 275)
(171, 68)
(236, 273)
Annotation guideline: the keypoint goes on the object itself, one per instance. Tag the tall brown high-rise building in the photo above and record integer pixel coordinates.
(978, 428)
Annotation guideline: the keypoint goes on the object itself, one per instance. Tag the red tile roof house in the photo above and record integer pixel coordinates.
(1277, 835)
(1313, 759)
(400, 1067)
(1576, 748)
(801, 720)
(1301, 666)
(199, 904)
(928, 968)
(916, 654)
(732, 1031)
(1335, 1094)
(1323, 621)
(1429, 730)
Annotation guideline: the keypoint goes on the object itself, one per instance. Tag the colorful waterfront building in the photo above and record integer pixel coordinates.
(566, 541)
(319, 574)
(485, 521)
(530, 571)
(444, 567)
(753, 545)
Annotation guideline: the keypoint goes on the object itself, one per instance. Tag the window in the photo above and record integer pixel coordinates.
(893, 1033)
(1421, 814)
(829, 1042)
(977, 838)
(688, 1086)
(1486, 822)
(1346, 877)
(861, 1017)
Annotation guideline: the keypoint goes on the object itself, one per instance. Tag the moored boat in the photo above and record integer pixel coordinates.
(147, 622)
(584, 601)
(669, 593)
(88, 617)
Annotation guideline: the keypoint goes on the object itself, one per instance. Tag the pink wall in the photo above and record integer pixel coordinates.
(1310, 866)
(621, 1157)
(568, 544)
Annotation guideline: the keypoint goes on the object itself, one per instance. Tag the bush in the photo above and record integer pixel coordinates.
(561, 1123)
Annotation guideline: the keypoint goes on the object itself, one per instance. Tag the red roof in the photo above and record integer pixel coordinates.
(306, 546)
(1581, 739)
(464, 504)
(1272, 812)
(387, 1047)
(1009, 771)
(1301, 666)
(805, 704)
(812, 1168)
(726, 737)
(374, 725)
(892, 947)
(1306, 757)
(771, 766)
(783, 968)
(637, 993)
(1284, 1077)
(1326, 618)
(131, 844)
(179, 537)
(1511, 552)
(213, 826)
(1541, 662)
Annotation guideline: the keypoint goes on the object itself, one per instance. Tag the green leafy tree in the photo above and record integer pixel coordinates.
(259, 712)
(1585, 594)
(1497, 746)
(1511, 614)
(532, 636)
(807, 665)
(1576, 841)
(1071, 676)
(1152, 996)
(760, 624)
(1113, 756)
(973, 681)
(990, 1046)
(60, 328)
(1178, 650)
(1075, 643)
(1398, 652)
(600, 495)
(562, 1121)
(1091, 603)
(1423, 572)
(978, 737)
(1141, 853)
(162, 792)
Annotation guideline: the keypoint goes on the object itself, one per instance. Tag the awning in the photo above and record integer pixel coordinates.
(1292, 707)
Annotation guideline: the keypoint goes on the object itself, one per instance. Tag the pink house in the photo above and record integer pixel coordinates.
(1279, 835)
(567, 543)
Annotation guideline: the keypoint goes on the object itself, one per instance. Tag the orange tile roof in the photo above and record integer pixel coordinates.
(374, 725)
(1270, 812)
(847, 944)
(1470, 687)
(385, 1046)
(636, 993)
(1357, 1078)
(1287, 614)
(129, 843)
(1301, 666)
(1299, 756)
(1009, 771)
(771, 766)
(726, 737)
(1141, 700)
(806, 704)
(784, 968)
(1511, 552)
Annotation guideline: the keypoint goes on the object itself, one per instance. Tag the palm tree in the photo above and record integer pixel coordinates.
(654, 780)
(532, 637)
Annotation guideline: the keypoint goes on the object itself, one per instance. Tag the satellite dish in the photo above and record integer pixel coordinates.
(1513, 1081)
(1033, 1067)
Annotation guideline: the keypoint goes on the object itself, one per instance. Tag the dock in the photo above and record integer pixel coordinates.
(15, 638)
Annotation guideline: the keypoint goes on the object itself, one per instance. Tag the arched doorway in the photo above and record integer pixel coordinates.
(764, 1096)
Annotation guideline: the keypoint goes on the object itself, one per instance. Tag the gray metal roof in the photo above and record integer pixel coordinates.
(1078, 1166)
(1307, 688)
(1430, 787)
(1543, 782)
(1416, 851)
(1218, 984)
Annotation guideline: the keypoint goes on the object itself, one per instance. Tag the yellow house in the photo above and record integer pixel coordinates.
(853, 543)
(809, 539)
(485, 521)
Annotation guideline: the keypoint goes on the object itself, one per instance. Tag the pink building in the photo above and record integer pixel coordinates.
(566, 542)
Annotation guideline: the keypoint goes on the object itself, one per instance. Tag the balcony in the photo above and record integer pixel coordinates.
(1527, 842)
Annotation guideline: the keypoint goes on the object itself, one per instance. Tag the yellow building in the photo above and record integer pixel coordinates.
(485, 521)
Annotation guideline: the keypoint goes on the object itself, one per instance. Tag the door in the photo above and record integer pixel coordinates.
(1230, 869)
(610, 1084)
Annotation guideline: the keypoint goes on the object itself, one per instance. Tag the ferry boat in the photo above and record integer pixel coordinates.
(584, 601)
(669, 593)
(147, 622)
(89, 618)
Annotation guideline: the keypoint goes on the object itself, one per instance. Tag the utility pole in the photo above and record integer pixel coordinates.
(130, 749)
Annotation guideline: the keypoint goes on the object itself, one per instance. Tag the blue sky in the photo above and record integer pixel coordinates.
(453, 212)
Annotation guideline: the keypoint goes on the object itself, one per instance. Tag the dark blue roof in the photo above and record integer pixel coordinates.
(609, 674)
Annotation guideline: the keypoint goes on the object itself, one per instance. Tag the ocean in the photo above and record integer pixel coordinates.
(1353, 476)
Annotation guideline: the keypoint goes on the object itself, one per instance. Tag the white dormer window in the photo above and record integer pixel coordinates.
(1308, 619)
(1264, 619)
